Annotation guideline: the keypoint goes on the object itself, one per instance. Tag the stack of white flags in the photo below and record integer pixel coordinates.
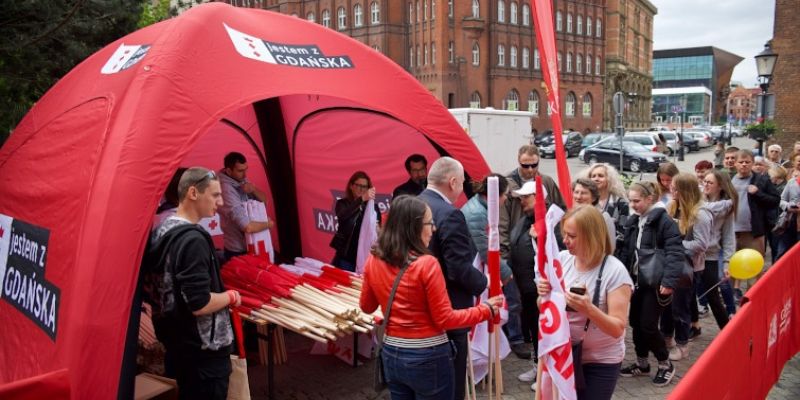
(259, 242)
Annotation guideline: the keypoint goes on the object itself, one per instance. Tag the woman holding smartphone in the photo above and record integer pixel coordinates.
(599, 293)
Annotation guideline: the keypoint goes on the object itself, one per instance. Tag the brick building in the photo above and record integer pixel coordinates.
(476, 53)
(743, 105)
(786, 78)
(629, 60)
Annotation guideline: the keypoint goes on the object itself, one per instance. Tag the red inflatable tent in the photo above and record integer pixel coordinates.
(83, 173)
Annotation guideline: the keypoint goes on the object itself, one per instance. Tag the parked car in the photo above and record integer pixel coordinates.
(650, 140)
(635, 157)
(689, 143)
(704, 138)
(593, 138)
(572, 144)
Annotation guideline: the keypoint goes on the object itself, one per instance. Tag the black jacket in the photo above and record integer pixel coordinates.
(349, 214)
(763, 204)
(408, 187)
(453, 247)
(659, 226)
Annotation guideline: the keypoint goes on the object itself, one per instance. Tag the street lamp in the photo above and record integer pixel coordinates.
(765, 64)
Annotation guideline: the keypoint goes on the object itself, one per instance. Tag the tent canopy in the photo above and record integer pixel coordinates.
(84, 171)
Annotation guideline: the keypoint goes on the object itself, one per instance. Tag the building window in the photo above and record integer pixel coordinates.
(513, 56)
(599, 28)
(570, 105)
(433, 10)
(311, 17)
(476, 54)
(512, 100)
(569, 62)
(549, 109)
(419, 57)
(579, 64)
(326, 18)
(558, 21)
(526, 15)
(501, 11)
(597, 65)
(425, 50)
(537, 62)
(451, 52)
(513, 11)
(526, 58)
(475, 100)
(579, 28)
(359, 15)
(588, 26)
(410, 57)
(433, 53)
(476, 9)
(418, 16)
(569, 23)
(410, 12)
(588, 64)
(587, 105)
(424, 10)
(559, 62)
(533, 103)
(341, 18)
(375, 13)
(450, 8)
(501, 55)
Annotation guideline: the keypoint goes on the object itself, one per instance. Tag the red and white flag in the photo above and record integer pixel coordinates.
(555, 348)
(259, 243)
(367, 235)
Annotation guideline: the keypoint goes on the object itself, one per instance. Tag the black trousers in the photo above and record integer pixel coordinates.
(644, 318)
(460, 342)
(203, 379)
(710, 277)
(530, 319)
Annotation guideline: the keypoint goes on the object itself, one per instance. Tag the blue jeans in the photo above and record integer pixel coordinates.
(513, 327)
(601, 379)
(421, 374)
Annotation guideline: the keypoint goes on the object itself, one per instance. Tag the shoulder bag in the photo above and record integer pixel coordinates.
(379, 381)
(577, 348)
(651, 264)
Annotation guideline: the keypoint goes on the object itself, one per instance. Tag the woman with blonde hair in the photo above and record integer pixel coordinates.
(612, 193)
(599, 293)
(722, 199)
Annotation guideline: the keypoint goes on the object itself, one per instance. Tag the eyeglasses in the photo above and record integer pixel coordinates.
(208, 175)
(431, 223)
(529, 166)
(360, 186)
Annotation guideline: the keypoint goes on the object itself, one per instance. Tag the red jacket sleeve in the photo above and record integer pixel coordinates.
(441, 309)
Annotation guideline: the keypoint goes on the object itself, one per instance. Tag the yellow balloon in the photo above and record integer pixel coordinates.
(746, 264)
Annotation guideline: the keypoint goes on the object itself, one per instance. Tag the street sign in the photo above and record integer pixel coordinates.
(619, 102)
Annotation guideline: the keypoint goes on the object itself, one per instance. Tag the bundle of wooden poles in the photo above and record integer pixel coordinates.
(313, 299)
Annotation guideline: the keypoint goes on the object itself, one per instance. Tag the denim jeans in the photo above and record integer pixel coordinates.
(601, 379)
(425, 373)
(513, 327)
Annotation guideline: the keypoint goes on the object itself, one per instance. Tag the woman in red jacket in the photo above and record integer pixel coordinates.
(417, 355)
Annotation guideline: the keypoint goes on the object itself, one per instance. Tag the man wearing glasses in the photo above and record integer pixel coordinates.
(417, 168)
(236, 190)
(190, 304)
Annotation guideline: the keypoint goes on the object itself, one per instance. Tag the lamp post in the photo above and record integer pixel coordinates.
(765, 64)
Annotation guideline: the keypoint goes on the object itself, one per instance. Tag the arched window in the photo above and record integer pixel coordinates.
(433, 53)
(587, 105)
(569, 62)
(418, 13)
(375, 13)
(512, 100)
(533, 103)
(410, 12)
(579, 27)
(526, 15)
(341, 18)
(476, 9)
(451, 52)
(588, 26)
(559, 62)
(513, 11)
(526, 58)
(476, 54)
(570, 105)
(501, 11)
(410, 57)
(579, 64)
(326, 18)
(501, 55)
(475, 100)
(358, 12)
(419, 57)
(599, 28)
(597, 65)
(424, 10)
(537, 62)
(513, 56)
(558, 21)
(569, 23)
(311, 17)
(588, 64)
(433, 10)
(450, 8)
(425, 50)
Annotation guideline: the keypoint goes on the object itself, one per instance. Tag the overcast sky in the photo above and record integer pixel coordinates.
(740, 27)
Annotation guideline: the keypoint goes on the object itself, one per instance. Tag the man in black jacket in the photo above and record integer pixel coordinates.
(417, 168)
(190, 311)
(453, 247)
(757, 197)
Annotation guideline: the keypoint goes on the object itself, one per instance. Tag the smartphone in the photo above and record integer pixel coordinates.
(577, 290)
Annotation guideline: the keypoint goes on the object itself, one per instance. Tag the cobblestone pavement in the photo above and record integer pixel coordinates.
(323, 377)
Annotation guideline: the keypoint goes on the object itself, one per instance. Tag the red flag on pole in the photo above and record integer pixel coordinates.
(546, 42)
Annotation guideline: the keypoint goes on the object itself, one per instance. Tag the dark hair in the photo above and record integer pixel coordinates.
(415, 158)
(704, 164)
(171, 193)
(731, 149)
(669, 169)
(198, 177)
(401, 235)
(482, 187)
(356, 176)
(590, 186)
(232, 158)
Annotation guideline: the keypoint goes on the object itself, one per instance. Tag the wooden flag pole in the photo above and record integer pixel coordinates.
(491, 365)
(498, 369)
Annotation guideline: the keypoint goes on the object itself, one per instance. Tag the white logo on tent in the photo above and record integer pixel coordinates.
(124, 58)
(250, 46)
(5, 240)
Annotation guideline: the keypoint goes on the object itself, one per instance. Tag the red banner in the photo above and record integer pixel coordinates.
(546, 42)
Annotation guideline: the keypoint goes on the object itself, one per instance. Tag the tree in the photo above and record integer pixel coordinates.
(42, 40)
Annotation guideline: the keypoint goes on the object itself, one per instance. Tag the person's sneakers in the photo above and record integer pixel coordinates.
(679, 352)
(695, 332)
(522, 350)
(634, 370)
(703, 311)
(529, 376)
(664, 375)
(669, 342)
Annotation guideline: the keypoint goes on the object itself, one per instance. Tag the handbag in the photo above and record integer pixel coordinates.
(238, 384)
(577, 347)
(651, 265)
(379, 376)
(783, 222)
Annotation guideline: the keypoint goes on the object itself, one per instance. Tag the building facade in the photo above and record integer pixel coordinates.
(743, 105)
(477, 53)
(786, 78)
(629, 60)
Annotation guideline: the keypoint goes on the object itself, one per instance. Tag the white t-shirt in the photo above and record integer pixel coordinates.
(598, 347)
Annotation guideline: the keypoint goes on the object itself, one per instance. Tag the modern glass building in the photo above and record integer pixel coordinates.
(687, 84)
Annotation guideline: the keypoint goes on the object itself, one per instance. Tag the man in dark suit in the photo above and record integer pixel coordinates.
(417, 168)
(453, 246)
